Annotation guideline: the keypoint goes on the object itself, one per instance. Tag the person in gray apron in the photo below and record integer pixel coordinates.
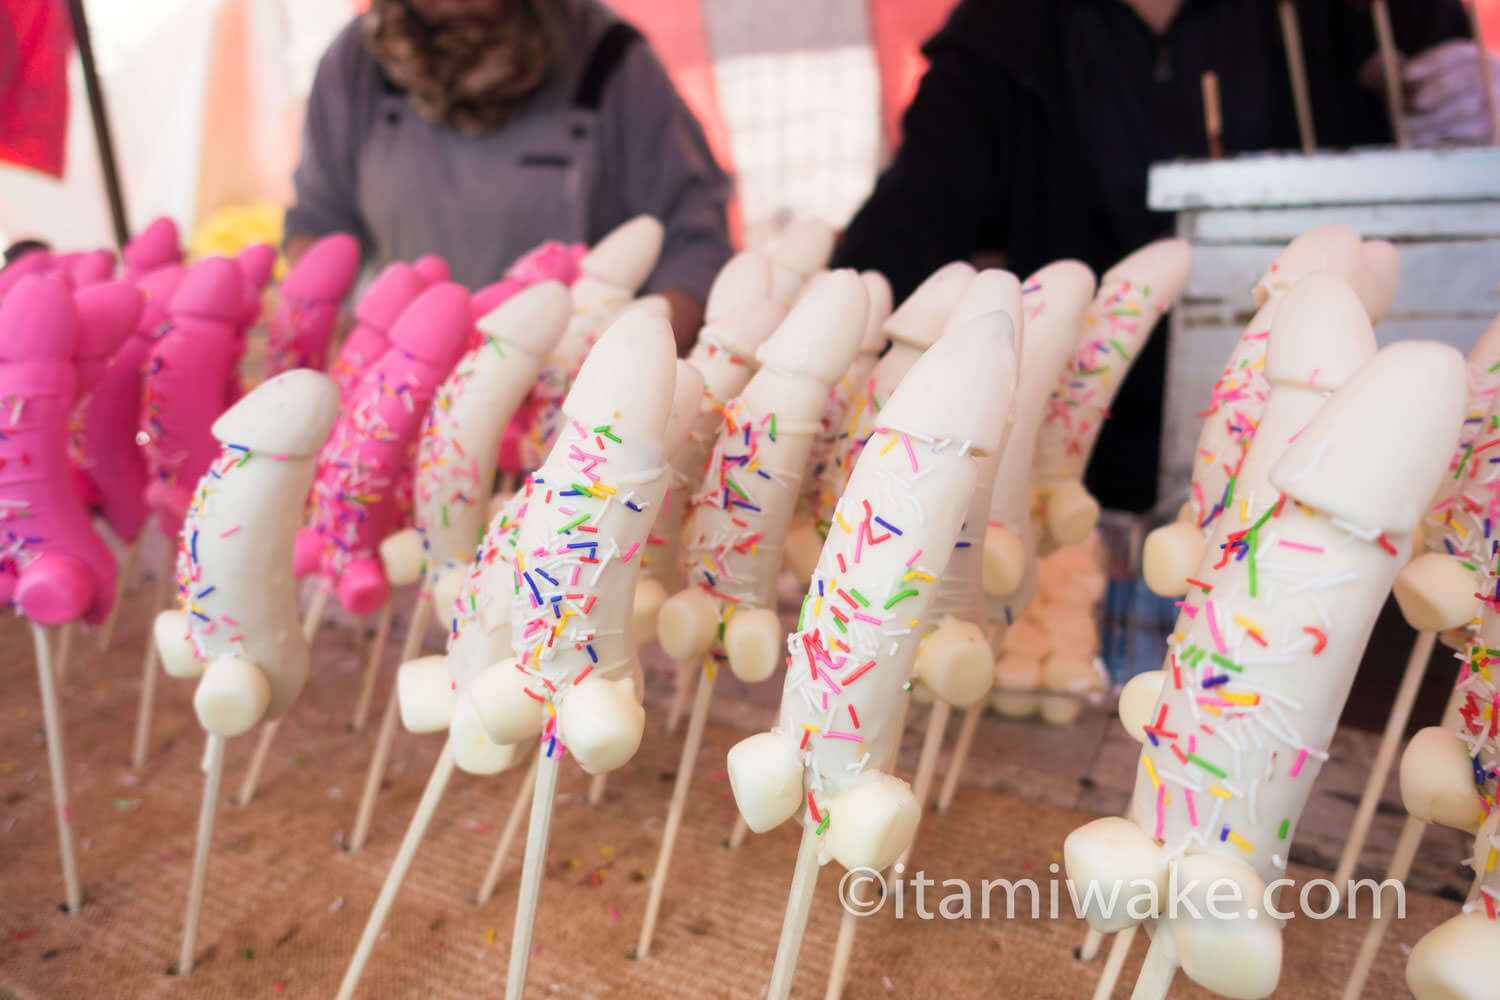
(476, 129)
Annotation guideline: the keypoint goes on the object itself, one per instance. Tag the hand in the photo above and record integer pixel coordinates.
(1444, 95)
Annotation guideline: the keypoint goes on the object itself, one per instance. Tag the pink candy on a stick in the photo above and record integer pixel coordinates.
(187, 375)
(354, 504)
(53, 566)
(310, 295)
(154, 247)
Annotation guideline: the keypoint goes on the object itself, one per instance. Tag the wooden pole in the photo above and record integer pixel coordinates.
(689, 757)
(57, 763)
(372, 666)
(213, 772)
(431, 796)
(961, 749)
(268, 730)
(1291, 39)
(1114, 963)
(387, 735)
(932, 745)
(1213, 121)
(100, 117)
(147, 704)
(1158, 970)
(1385, 757)
(798, 906)
(537, 831)
(1390, 68)
(122, 578)
(508, 835)
(1369, 948)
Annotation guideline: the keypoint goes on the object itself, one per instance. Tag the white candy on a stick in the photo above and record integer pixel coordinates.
(237, 630)
(456, 459)
(1132, 296)
(738, 520)
(912, 328)
(1262, 662)
(852, 653)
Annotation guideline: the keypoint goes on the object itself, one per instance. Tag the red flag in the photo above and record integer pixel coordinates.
(35, 43)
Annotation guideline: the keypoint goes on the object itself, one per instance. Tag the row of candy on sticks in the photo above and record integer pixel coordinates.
(1449, 772)
(161, 348)
(794, 351)
(736, 522)
(458, 438)
(1318, 460)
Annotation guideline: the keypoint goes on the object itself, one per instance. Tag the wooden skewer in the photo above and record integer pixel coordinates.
(1390, 69)
(122, 584)
(64, 651)
(1158, 970)
(160, 594)
(213, 772)
(1089, 950)
(372, 667)
(1114, 963)
(508, 835)
(1385, 757)
(843, 950)
(1291, 38)
(961, 749)
(1213, 120)
(932, 744)
(1486, 71)
(1401, 861)
(690, 746)
(679, 698)
(537, 830)
(387, 735)
(798, 905)
(595, 794)
(737, 835)
(431, 796)
(315, 609)
(57, 763)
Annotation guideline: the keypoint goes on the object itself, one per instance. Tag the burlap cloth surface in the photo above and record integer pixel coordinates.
(285, 904)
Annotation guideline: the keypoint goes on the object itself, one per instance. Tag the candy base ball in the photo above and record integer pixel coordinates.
(601, 723)
(232, 696)
(170, 632)
(1170, 556)
(646, 605)
(1004, 565)
(1138, 700)
(956, 663)
(1456, 961)
(686, 624)
(803, 546)
(872, 823)
(499, 702)
(402, 557)
(1437, 780)
(1236, 954)
(752, 641)
(1436, 592)
(765, 775)
(1114, 852)
(1070, 513)
(473, 750)
(425, 695)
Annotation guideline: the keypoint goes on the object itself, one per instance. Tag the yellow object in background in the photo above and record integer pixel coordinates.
(231, 229)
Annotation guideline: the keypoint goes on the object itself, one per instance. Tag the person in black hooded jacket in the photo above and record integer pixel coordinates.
(1032, 131)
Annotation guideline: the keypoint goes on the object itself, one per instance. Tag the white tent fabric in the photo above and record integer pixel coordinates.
(155, 60)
